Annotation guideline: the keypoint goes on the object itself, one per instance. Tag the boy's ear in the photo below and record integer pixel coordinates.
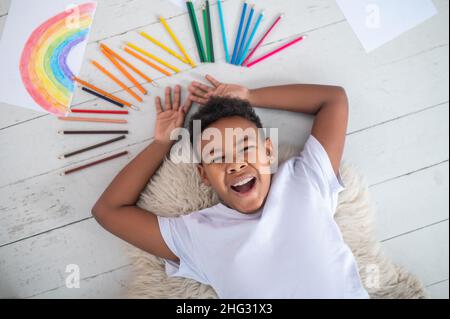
(202, 174)
(269, 147)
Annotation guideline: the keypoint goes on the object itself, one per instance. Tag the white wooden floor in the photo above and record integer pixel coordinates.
(398, 137)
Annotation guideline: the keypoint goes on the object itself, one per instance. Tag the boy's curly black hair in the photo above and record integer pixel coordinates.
(222, 107)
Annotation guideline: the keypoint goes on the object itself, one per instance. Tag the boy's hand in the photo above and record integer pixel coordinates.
(201, 93)
(172, 117)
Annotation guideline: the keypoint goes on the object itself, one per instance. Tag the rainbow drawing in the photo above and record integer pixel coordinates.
(44, 61)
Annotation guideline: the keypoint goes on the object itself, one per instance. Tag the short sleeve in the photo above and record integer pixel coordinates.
(316, 164)
(177, 235)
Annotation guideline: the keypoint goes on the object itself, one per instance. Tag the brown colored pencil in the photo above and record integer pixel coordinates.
(77, 169)
(91, 132)
(83, 150)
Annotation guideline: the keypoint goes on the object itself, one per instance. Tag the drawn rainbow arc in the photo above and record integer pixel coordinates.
(44, 62)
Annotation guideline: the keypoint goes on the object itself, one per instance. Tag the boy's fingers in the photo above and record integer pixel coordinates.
(187, 105)
(177, 98)
(213, 81)
(199, 100)
(158, 105)
(202, 86)
(168, 98)
(197, 92)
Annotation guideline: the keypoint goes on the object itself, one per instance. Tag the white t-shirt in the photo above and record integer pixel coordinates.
(291, 248)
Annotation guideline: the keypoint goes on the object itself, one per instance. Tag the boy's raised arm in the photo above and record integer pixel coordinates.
(116, 209)
(328, 103)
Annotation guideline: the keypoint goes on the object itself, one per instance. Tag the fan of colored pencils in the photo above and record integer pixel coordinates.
(248, 28)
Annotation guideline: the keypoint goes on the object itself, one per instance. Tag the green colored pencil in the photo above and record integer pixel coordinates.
(196, 30)
(211, 42)
(206, 27)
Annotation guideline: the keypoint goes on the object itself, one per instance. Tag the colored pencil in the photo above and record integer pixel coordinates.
(116, 80)
(249, 65)
(262, 39)
(224, 31)
(100, 91)
(250, 40)
(149, 63)
(206, 28)
(244, 36)
(123, 71)
(102, 97)
(128, 64)
(177, 41)
(98, 111)
(91, 132)
(92, 120)
(93, 147)
(210, 36)
(164, 47)
(196, 31)
(238, 36)
(77, 169)
(151, 56)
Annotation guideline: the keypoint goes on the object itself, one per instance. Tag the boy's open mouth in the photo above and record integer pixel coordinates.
(245, 185)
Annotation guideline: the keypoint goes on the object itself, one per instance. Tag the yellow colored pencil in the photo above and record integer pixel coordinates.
(162, 46)
(178, 43)
(151, 56)
(146, 61)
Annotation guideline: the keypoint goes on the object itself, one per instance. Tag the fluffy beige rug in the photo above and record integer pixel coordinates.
(176, 189)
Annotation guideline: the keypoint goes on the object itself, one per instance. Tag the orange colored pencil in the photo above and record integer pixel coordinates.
(98, 90)
(92, 120)
(120, 83)
(128, 64)
(124, 72)
(137, 56)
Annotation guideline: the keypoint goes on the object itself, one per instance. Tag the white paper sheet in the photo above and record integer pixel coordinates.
(25, 19)
(181, 3)
(377, 22)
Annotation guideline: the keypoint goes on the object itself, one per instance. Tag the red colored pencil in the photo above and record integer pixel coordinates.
(262, 40)
(99, 112)
(274, 52)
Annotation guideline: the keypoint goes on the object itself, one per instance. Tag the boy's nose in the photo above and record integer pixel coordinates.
(236, 167)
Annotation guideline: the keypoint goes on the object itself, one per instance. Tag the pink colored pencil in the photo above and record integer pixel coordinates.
(262, 40)
(275, 52)
(92, 120)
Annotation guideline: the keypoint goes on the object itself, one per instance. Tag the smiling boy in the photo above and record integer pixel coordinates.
(271, 235)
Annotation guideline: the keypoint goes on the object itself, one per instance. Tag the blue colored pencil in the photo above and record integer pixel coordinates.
(244, 37)
(238, 37)
(224, 31)
(250, 40)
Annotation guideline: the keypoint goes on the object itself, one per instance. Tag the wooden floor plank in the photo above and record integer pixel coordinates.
(439, 290)
(411, 201)
(424, 253)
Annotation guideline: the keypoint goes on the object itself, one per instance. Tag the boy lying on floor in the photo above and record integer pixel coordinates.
(271, 235)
